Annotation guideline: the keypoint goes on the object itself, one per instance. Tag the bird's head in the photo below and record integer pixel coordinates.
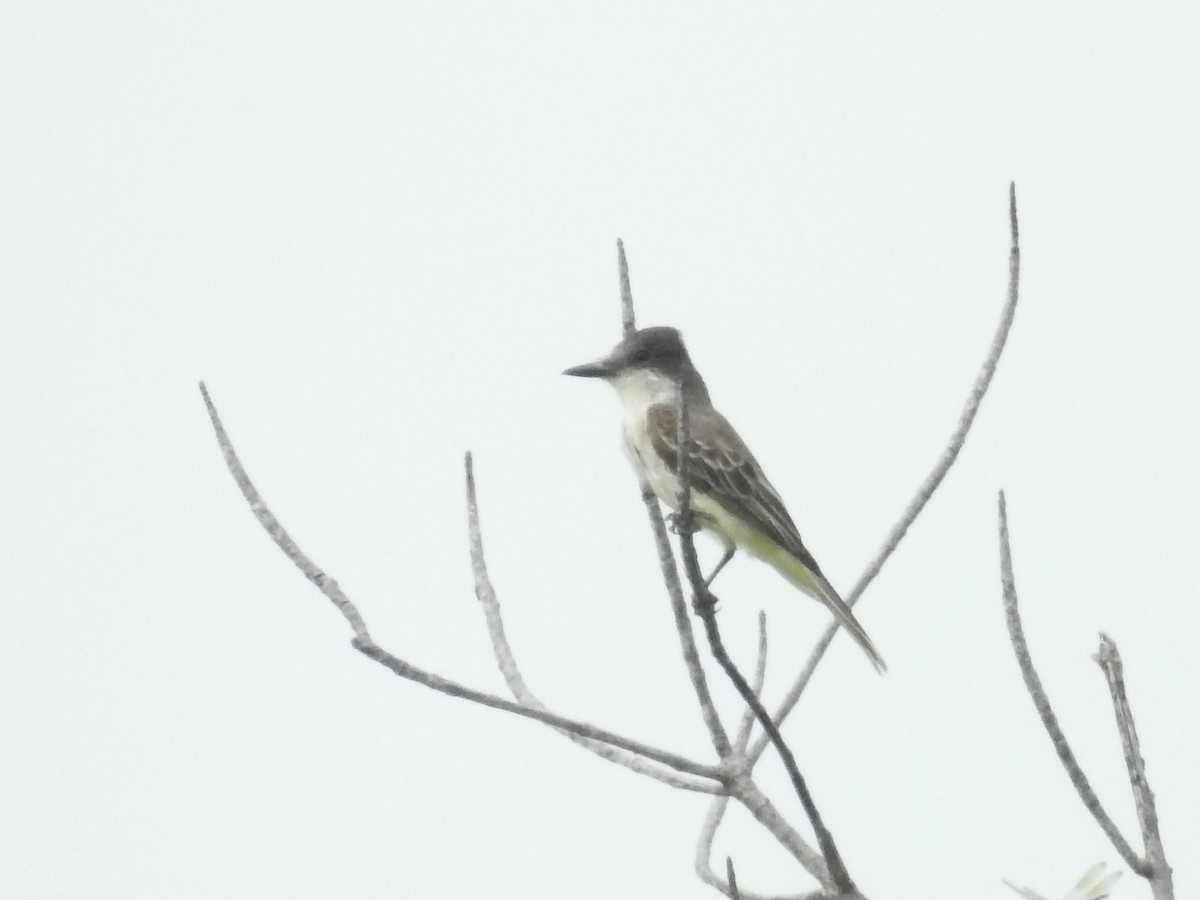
(649, 353)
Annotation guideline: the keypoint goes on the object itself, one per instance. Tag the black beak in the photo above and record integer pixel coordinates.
(598, 369)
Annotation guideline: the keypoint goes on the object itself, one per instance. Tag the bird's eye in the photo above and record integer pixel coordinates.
(640, 356)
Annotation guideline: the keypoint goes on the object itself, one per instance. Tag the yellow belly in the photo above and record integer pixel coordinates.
(731, 530)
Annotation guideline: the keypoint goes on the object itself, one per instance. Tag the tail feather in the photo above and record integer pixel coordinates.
(845, 617)
(817, 586)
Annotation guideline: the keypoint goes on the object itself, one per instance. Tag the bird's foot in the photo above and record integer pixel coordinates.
(679, 524)
(689, 524)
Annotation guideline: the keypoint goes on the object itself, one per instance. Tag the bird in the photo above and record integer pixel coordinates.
(733, 500)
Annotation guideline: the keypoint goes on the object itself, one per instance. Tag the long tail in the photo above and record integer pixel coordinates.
(845, 617)
(817, 586)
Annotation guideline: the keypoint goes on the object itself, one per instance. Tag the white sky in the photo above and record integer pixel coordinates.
(379, 232)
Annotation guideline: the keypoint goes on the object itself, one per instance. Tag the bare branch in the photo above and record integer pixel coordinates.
(716, 812)
(705, 605)
(709, 877)
(363, 643)
(760, 676)
(666, 562)
(748, 794)
(1041, 702)
(683, 625)
(931, 483)
(743, 789)
(266, 518)
(708, 832)
(486, 593)
(1160, 877)
(406, 670)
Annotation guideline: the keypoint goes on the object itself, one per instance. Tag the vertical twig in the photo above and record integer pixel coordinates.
(666, 562)
(1160, 877)
(742, 738)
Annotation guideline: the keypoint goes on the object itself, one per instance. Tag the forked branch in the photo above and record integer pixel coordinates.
(1153, 867)
(486, 594)
(1160, 875)
(363, 642)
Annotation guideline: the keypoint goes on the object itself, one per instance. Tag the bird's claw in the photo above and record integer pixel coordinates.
(679, 525)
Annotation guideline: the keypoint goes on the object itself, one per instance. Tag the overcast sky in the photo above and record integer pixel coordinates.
(380, 231)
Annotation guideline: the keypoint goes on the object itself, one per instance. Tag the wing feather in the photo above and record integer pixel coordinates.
(721, 465)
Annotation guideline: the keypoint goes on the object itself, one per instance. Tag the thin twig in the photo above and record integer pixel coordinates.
(666, 562)
(683, 625)
(705, 604)
(748, 795)
(364, 644)
(267, 519)
(731, 877)
(709, 877)
(708, 831)
(931, 483)
(743, 789)
(406, 670)
(742, 738)
(722, 885)
(486, 593)
(1041, 702)
(1160, 877)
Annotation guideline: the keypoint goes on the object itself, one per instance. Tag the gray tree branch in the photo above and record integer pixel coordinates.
(363, 642)
(708, 831)
(742, 738)
(666, 562)
(486, 593)
(1041, 702)
(1160, 875)
(932, 481)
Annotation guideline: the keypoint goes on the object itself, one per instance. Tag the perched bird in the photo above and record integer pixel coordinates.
(732, 498)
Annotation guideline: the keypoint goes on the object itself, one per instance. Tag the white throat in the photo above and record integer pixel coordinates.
(639, 389)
